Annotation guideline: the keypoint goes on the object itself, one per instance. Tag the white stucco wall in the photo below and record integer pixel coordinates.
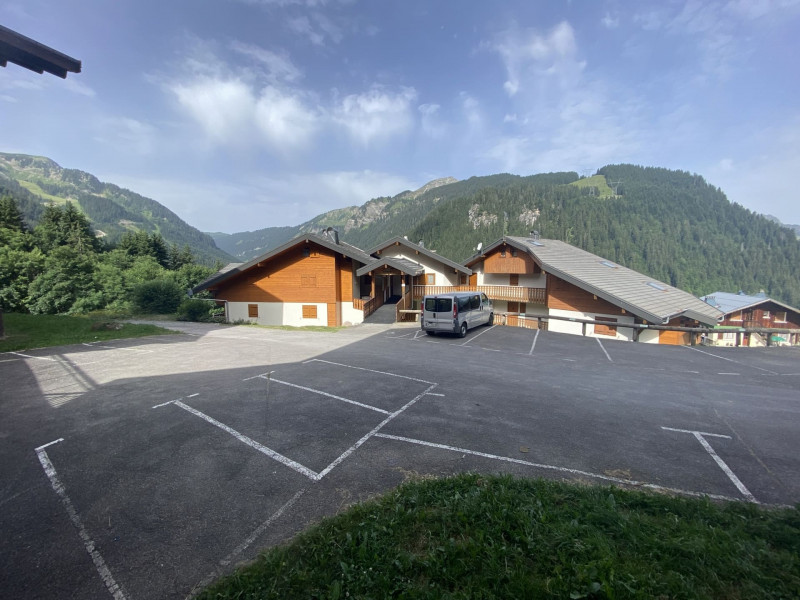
(557, 325)
(350, 315)
(279, 313)
(648, 336)
(531, 281)
(444, 274)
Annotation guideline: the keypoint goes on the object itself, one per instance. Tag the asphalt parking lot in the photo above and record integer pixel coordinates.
(145, 468)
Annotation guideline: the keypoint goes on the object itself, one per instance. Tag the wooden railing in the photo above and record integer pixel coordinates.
(404, 304)
(369, 306)
(495, 292)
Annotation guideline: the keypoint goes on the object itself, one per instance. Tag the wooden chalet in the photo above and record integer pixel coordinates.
(309, 280)
(402, 268)
(743, 311)
(530, 279)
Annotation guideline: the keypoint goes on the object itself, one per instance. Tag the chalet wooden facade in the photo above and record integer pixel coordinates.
(743, 311)
(310, 280)
(530, 280)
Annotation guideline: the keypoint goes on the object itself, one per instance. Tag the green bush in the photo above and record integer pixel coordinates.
(158, 296)
(195, 310)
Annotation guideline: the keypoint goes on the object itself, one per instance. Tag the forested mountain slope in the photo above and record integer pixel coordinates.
(671, 225)
(34, 180)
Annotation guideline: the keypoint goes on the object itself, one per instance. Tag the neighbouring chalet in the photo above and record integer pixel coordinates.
(317, 279)
(753, 312)
(404, 269)
(309, 280)
(528, 278)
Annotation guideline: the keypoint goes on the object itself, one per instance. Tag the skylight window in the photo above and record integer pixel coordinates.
(608, 264)
(659, 286)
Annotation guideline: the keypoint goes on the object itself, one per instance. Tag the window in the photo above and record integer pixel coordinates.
(513, 307)
(737, 316)
(780, 317)
(503, 253)
(513, 280)
(463, 279)
(438, 305)
(608, 263)
(430, 278)
(308, 281)
(475, 302)
(603, 329)
(766, 314)
(309, 311)
(252, 310)
(523, 308)
(659, 286)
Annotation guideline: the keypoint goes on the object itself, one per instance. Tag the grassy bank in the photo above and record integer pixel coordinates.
(476, 536)
(39, 331)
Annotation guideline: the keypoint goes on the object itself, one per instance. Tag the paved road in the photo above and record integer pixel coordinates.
(144, 468)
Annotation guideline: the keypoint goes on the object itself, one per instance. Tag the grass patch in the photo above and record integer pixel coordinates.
(595, 181)
(35, 189)
(474, 536)
(39, 331)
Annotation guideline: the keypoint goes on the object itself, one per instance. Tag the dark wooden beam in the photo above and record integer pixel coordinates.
(32, 55)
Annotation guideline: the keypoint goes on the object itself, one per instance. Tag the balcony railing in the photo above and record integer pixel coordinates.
(369, 306)
(495, 292)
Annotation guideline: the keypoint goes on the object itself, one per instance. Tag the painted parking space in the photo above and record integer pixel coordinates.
(176, 469)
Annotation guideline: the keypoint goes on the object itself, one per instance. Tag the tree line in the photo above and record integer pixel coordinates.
(60, 266)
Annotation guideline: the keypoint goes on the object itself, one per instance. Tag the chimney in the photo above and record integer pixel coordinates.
(535, 234)
(333, 234)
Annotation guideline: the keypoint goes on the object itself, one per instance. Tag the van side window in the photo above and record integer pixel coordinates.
(463, 303)
(475, 302)
(485, 299)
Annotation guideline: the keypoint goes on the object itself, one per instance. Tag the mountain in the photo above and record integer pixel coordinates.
(112, 210)
(795, 228)
(671, 225)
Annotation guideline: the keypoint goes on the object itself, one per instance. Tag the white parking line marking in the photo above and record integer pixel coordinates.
(719, 435)
(369, 370)
(375, 431)
(261, 529)
(533, 345)
(699, 435)
(474, 337)
(603, 348)
(728, 373)
(9, 360)
(165, 403)
(321, 393)
(250, 442)
(729, 359)
(61, 492)
(518, 461)
(36, 357)
(95, 345)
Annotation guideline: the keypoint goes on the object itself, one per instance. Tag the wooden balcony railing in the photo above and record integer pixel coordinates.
(369, 306)
(404, 304)
(495, 292)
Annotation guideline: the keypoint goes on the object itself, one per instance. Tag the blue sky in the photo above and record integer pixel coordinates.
(243, 114)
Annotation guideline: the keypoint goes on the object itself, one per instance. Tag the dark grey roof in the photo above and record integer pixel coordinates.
(28, 53)
(422, 250)
(234, 269)
(401, 264)
(639, 294)
(728, 302)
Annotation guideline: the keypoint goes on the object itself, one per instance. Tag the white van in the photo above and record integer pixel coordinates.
(455, 312)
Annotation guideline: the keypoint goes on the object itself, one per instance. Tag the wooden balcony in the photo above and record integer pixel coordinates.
(369, 306)
(495, 292)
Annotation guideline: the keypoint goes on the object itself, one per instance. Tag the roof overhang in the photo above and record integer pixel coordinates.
(403, 265)
(401, 241)
(30, 54)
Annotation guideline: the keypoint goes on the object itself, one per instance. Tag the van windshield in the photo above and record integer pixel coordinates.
(438, 305)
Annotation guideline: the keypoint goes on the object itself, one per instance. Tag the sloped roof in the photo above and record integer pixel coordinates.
(28, 53)
(422, 250)
(639, 294)
(401, 264)
(234, 269)
(728, 302)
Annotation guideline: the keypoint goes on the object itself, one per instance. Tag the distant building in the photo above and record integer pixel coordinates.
(530, 278)
(752, 311)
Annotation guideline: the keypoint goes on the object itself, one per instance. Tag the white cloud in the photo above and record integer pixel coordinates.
(609, 21)
(432, 124)
(530, 56)
(316, 27)
(78, 87)
(279, 66)
(123, 133)
(376, 115)
(6, 98)
(284, 120)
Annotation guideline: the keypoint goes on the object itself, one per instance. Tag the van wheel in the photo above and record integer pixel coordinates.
(431, 332)
(491, 320)
(463, 331)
